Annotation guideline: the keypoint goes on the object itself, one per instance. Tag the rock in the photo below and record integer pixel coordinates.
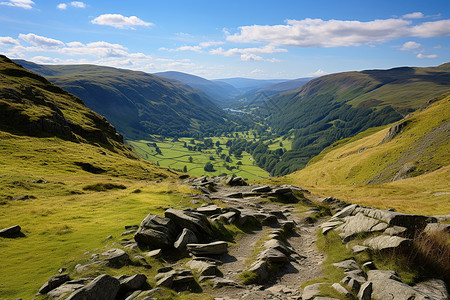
(434, 288)
(185, 237)
(262, 189)
(345, 212)
(131, 231)
(395, 230)
(273, 255)
(261, 270)
(183, 176)
(277, 245)
(340, 289)
(433, 228)
(102, 287)
(236, 181)
(353, 283)
(148, 295)
(64, 290)
(54, 282)
(116, 257)
(133, 295)
(386, 285)
(359, 248)
(156, 232)
(386, 242)
(196, 222)
(235, 195)
(359, 224)
(209, 210)
(229, 217)
(215, 248)
(166, 280)
(311, 291)
(365, 291)
(205, 268)
(132, 283)
(349, 264)
(12, 231)
(369, 265)
(221, 282)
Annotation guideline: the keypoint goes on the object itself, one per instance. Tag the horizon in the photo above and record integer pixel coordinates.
(255, 40)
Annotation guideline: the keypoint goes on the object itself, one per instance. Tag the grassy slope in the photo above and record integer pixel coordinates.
(344, 169)
(61, 220)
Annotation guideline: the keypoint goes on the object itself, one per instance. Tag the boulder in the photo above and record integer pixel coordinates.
(215, 248)
(54, 282)
(261, 270)
(12, 231)
(311, 291)
(349, 264)
(359, 224)
(153, 239)
(395, 230)
(157, 253)
(185, 237)
(196, 222)
(433, 228)
(219, 282)
(235, 195)
(387, 242)
(347, 211)
(277, 245)
(273, 255)
(365, 291)
(359, 248)
(209, 210)
(262, 189)
(235, 181)
(436, 289)
(340, 289)
(132, 283)
(166, 280)
(205, 268)
(116, 257)
(64, 290)
(102, 287)
(229, 217)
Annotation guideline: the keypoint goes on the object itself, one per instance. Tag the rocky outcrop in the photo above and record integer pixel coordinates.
(156, 232)
(194, 221)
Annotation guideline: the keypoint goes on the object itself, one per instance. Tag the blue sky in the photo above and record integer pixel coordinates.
(221, 39)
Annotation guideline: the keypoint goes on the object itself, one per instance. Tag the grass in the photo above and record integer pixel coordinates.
(61, 219)
(345, 169)
(175, 156)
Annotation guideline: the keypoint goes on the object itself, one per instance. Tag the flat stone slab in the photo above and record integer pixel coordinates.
(12, 231)
(387, 242)
(215, 248)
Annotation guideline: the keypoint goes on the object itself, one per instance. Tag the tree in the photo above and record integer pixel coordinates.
(239, 163)
(190, 159)
(208, 167)
(184, 169)
(185, 145)
(228, 159)
(218, 144)
(158, 151)
(211, 158)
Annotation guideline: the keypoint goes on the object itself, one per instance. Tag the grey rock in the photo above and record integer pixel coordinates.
(54, 282)
(369, 265)
(102, 287)
(131, 231)
(340, 289)
(133, 295)
(347, 211)
(395, 230)
(386, 242)
(433, 228)
(12, 231)
(278, 245)
(153, 239)
(64, 290)
(166, 280)
(273, 255)
(365, 291)
(436, 289)
(132, 283)
(221, 282)
(157, 253)
(215, 248)
(116, 257)
(311, 291)
(229, 217)
(349, 264)
(185, 237)
(196, 222)
(260, 269)
(359, 248)
(262, 189)
(235, 195)
(236, 181)
(209, 210)
(359, 224)
(205, 268)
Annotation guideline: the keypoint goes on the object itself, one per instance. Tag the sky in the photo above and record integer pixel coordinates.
(222, 39)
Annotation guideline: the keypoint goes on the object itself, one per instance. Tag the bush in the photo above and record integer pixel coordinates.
(101, 187)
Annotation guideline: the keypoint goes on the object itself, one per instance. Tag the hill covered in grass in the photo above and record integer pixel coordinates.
(341, 105)
(404, 165)
(137, 103)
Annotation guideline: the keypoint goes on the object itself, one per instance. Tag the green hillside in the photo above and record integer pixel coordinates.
(341, 105)
(137, 103)
(66, 178)
(404, 166)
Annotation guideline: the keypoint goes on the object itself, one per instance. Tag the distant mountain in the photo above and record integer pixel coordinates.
(137, 103)
(247, 84)
(220, 92)
(336, 106)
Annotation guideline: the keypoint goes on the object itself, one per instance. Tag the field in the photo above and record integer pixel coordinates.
(174, 154)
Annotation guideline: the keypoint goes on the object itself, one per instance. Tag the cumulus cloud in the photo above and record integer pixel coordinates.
(78, 4)
(61, 6)
(119, 21)
(196, 48)
(249, 54)
(27, 4)
(7, 40)
(337, 33)
(40, 41)
(317, 73)
(410, 46)
(414, 15)
(210, 44)
(420, 55)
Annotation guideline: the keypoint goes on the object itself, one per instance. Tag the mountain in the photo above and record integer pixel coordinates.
(220, 92)
(137, 103)
(337, 106)
(247, 84)
(385, 165)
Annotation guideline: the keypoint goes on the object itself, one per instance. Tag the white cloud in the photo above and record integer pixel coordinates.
(7, 40)
(61, 6)
(40, 41)
(317, 73)
(256, 71)
(420, 55)
(210, 44)
(337, 33)
(119, 21)
(410, 46)
(27, 4)
(251, 57)
(414, 15)
(249, 54)
(78, 4)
